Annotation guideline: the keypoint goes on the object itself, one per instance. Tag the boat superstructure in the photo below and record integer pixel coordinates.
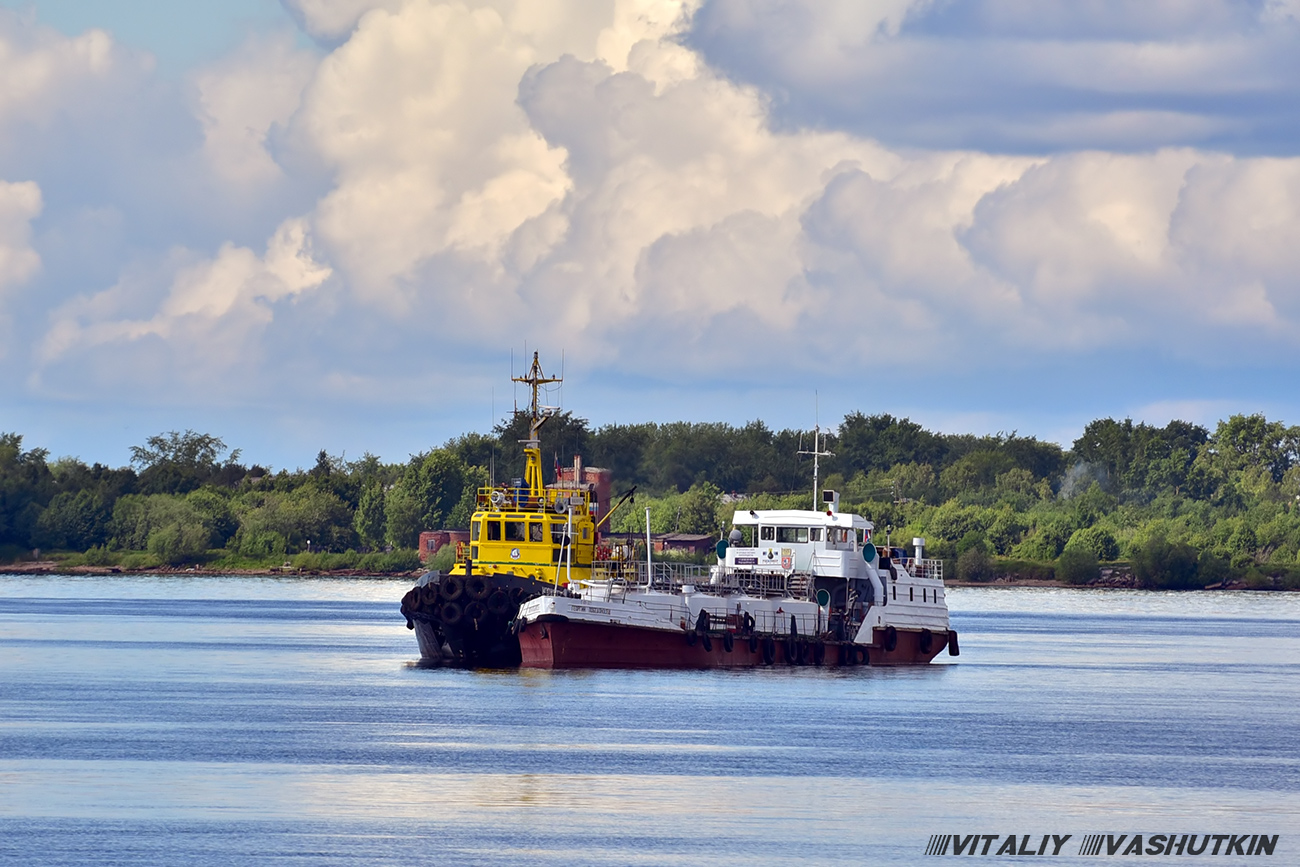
(526, 539)
(790, 587)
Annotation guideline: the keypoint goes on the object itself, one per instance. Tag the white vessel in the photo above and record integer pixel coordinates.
(791, 587)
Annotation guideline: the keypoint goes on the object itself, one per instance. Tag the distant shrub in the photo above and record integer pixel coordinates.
(385, 562)
(1076, 566)
(1098, 541)
(974, 565)
(443, 559)
(1164, 565)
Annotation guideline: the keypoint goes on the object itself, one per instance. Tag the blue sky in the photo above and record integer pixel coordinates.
(318, 224)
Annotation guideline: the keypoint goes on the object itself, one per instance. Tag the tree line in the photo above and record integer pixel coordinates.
(1181, 503)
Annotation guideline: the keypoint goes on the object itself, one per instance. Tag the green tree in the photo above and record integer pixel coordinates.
(370, 522)
(177, 463)
(699, 509)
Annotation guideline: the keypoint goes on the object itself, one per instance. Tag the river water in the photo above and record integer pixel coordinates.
(206, 721)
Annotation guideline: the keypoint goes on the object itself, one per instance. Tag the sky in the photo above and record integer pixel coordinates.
(337, 224)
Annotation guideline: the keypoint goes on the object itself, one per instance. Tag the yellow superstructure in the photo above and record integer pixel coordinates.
(548, 534)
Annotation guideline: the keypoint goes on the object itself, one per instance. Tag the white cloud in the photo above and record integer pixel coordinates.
(20, 203)
(211, 317)
(242, 98)
(575, 174)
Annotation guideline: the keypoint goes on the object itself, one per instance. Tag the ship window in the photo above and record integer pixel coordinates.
(557, 533)
(767, 534)
(473, 531)
(815, 534)
(473, 552)
(895, 592)
(586, 533)
(515, 531)
(911, 594)
(536, 531)
(791, 534)
(493, 530)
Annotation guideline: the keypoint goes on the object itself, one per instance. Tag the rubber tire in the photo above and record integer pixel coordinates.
(498, 603)
(429, 595)
(926, 640)
(691, 637)
(891, 639)
(753, 643)
(864, 656)
(728, 642)
(794, 652)
(706, 643)
(476, 611)
(769, 651)
(516, 595)
(452, 588)
(818, 653)
(478, 587)
(953, 649)
(451, 613)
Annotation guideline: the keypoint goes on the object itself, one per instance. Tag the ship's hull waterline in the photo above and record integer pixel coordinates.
(560, 643)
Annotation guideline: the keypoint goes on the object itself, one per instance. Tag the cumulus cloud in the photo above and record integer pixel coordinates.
(20, 203)
(207, 323)
(455, 175)
(1020, 75)
(242, 99)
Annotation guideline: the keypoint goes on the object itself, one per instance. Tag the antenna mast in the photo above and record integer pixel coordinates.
(537, 415)
(817, 455)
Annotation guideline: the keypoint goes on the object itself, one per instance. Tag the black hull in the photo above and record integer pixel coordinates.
(467, 622)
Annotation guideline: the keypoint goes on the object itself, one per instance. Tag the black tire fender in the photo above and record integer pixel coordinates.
(769, 651)
(728, 642)
(478, 587)
(953, 649)
(891, 639)
(451, 613)
(926, 640)
(498, 603)
(452, 588)
(476, 611)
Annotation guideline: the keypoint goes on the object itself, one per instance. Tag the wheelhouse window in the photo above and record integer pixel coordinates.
(791, 535)
(493, 530)
(515, 531)
(767, 534)
(473, 531)
(815, 534)
(536, 531)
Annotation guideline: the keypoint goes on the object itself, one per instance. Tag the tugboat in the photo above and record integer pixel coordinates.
(526, 539)
(791, 587)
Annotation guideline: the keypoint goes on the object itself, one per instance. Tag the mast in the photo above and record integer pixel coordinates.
(537, 416)
(817, 455)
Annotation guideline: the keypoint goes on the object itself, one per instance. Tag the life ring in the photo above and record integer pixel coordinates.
(498, 603)
(926, 640)
(691, 637)
(452, 587)
(818, 653)
(769, 651)
(478, 587)
(891, 639)
(476, 611)
(451, 613)
(953, 649)
(728, 642)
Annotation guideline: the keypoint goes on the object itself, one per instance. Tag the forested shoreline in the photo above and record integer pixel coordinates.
(1179, 506)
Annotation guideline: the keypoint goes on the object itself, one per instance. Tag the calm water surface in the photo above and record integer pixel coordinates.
(206, 721)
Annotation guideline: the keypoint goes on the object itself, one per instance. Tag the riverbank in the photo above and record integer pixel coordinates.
(53, 567)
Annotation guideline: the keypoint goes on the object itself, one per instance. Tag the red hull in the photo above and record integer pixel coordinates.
(575, 644)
